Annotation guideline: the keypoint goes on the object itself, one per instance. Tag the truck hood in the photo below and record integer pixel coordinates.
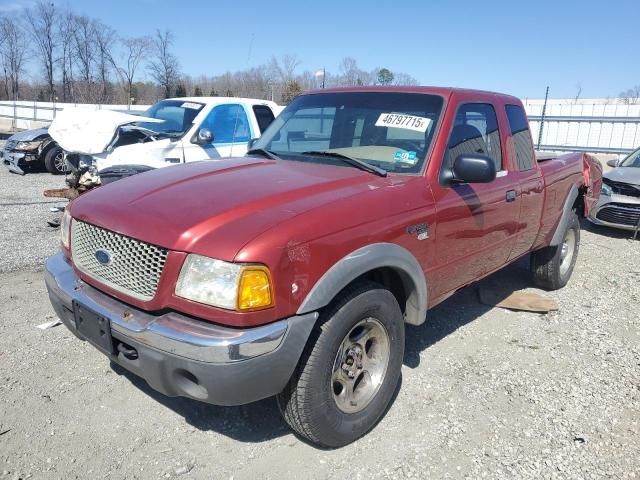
(624, 175)
(79, 130)
(215, 208)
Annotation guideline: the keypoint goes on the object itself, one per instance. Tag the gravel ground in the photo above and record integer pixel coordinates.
(24, 213)
(485, 393)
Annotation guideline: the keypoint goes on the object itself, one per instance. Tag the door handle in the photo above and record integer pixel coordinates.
(511, 195)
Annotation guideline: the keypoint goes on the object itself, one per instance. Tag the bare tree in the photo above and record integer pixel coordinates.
(105, 38)
(133, 51)
(41, 23)
(164, 67)
(630, 96)
(85, 54)
(13, 54)
(66, 34)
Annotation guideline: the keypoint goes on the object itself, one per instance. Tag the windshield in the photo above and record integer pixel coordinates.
(389, 130)
(178, 116)
(632, 160)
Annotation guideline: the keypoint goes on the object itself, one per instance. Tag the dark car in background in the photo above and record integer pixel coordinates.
(33, 149)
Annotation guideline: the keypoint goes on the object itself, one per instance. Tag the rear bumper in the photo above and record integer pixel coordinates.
(617, 211)
(181, 356)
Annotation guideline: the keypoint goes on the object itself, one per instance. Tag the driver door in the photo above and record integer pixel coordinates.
(231, 133)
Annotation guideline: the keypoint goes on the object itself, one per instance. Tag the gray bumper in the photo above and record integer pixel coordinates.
(13, 161)
(181, 356)
(617, 211)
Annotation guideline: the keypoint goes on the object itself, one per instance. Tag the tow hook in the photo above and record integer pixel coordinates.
(129, 353)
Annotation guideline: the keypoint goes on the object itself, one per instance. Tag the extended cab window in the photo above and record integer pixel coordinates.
(228, 123)
(389, 130)
(521, 137)
(264, 116)
(475, 131)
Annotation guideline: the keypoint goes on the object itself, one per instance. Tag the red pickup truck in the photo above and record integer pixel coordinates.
(292, 271)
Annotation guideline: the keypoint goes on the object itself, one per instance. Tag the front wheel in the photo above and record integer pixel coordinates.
(349, 370)
(552, 266)
(54, 161)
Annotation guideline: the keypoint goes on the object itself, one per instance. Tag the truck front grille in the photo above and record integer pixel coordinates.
(122, 263)
(620, 213)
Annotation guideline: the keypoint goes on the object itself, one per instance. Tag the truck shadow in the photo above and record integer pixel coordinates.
(261, 421)
(462, 308)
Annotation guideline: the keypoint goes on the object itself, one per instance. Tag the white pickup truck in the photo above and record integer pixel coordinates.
(105, 145)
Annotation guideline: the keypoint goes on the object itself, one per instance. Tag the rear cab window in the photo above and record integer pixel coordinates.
(521, 137)
(475, 131)
(264, 116)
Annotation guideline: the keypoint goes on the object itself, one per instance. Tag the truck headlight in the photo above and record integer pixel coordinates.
(225, 285)
(65, 229)
(28, 146)
(606, 190)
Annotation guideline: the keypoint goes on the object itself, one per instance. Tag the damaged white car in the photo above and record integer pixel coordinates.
(619, 203)
(104, 145)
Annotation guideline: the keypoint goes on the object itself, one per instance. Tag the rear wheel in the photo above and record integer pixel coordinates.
(552, 266)
(54, 161)
(349, 370)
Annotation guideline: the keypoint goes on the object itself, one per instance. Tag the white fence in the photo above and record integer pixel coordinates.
(590, 125)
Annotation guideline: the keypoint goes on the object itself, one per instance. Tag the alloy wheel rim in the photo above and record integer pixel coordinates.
(58, 162)
(360, 365)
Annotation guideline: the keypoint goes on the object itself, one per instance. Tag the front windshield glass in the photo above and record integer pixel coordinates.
(389, 130)
(178, 116)
(632, 160)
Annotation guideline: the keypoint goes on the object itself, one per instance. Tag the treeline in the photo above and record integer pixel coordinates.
(52, 54)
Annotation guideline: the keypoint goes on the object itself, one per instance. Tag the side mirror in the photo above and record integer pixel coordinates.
(203, 137)
(251, 143)
(473, 168)
(612, 163)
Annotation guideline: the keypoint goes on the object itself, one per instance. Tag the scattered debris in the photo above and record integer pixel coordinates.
(51, 324)
(2, 432)
(183, 469)
(528, 302)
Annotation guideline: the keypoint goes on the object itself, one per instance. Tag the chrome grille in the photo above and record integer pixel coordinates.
(135, 266)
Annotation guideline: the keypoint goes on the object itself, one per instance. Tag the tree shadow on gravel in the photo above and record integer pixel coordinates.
(462, 308)
(253, 423)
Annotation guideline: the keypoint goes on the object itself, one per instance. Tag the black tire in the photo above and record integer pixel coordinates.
(54, 161)
(550, 267)
(308, 402)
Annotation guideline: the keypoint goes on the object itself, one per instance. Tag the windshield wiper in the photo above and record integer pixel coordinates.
(264, 153)
(354, 162)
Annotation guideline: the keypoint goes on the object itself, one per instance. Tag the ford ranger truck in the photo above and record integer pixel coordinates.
(293, 271)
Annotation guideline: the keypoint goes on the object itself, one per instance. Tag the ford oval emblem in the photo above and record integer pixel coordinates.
(104, 257)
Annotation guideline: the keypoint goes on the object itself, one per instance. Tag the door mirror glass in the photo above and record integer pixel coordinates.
(612, 163)
(204, 136)
(473, 168)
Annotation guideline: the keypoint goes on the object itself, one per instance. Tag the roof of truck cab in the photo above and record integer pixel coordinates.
(442, 91)
(209, 100)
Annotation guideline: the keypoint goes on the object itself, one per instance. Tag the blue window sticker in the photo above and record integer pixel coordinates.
(405, 157)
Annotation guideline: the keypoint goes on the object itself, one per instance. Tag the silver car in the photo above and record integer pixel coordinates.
(619, 203)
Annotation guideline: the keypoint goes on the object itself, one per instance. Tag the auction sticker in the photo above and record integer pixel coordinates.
(191, 105)
(400, 120)
(405, 157)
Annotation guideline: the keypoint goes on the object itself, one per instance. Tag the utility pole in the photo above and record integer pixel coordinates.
(544, 111)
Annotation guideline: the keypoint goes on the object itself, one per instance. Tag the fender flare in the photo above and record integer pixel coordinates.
(567, 211)
(366, 259)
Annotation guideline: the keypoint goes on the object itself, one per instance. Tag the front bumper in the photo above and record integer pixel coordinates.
(617, 211)
(14, 161)
(181, 356)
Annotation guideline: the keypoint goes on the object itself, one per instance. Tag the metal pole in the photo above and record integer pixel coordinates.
(324, 74)
(544, 111)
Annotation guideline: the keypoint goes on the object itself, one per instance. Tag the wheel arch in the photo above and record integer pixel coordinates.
(572, 201)
(385, 263)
